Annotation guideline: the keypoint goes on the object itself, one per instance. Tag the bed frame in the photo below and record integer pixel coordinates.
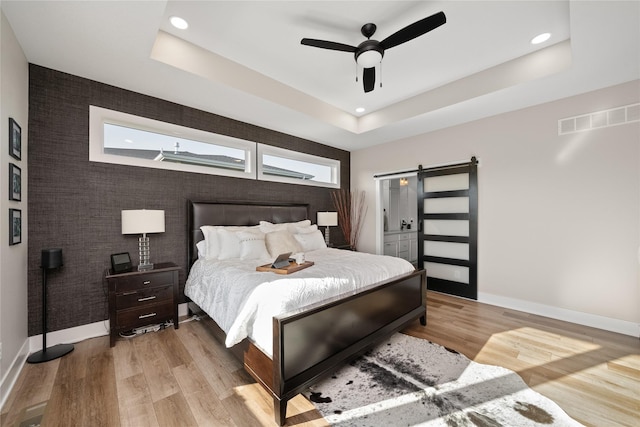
(313, 341)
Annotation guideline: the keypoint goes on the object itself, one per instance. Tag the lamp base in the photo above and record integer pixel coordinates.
(50, 353)
(145, 267)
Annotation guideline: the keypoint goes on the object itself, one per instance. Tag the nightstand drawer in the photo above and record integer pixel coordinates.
(142, 281)
(142, 297)
(145, 315)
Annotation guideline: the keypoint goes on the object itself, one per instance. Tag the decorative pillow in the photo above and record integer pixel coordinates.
(252, 245)
(202, 249)
(280, 242)
(311, 241)
(229, 244)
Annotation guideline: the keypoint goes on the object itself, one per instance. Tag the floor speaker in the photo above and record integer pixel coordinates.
(51, 259)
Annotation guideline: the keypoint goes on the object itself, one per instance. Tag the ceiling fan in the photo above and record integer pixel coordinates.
(370, 52)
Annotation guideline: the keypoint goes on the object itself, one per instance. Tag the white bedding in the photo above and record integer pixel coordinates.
(243, 301)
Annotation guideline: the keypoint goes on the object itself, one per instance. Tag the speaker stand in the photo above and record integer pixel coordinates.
(47, 354)
(50, 353)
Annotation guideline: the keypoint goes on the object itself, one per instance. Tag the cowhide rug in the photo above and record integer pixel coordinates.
(407, 381)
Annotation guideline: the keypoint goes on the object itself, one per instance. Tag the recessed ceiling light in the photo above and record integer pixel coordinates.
(360, 110)
(540, 38)
(179, 23)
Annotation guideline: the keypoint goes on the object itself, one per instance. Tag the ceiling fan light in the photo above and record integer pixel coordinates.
(369, 59)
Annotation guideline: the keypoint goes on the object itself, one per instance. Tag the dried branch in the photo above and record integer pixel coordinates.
(358, 212)
(351, 212)
(342, 203)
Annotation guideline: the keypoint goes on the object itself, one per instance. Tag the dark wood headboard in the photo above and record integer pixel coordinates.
(237, 213)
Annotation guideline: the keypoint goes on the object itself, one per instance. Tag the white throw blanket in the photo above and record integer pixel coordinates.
(243, 301)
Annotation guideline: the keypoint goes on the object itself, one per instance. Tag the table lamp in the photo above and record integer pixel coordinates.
(143, 221)
(327, 219)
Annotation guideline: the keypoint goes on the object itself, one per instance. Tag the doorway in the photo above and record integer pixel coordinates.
(397, 216)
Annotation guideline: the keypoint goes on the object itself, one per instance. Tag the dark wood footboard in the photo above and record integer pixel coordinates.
(312, 342)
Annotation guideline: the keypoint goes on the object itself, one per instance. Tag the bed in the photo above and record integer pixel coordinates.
(309, 341)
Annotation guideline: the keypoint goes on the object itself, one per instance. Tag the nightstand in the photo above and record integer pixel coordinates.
(141, 298)
(345, 246)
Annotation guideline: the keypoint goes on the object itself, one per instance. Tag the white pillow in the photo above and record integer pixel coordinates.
(202, 249)
(280, 242)
(311, 241)
(303, 230)
(212, 241)
(229, 244)
(252, 245)
(212, 238)
(268, 227)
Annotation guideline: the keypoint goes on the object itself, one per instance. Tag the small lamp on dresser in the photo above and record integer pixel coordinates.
(327, 219)
(143, 221)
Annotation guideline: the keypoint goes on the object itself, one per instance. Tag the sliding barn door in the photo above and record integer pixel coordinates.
(448, 228)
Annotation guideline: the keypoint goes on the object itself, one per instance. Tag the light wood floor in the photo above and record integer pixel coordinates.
(186, 378)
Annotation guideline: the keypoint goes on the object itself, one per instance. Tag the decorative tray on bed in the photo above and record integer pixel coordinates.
(287, 269)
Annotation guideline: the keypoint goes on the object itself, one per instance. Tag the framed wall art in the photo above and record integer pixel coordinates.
(15, 182)
(15, 226)
(15, 139)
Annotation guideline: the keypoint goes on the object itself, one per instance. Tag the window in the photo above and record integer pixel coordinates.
(130, 140)
(281, 165)
(125, 139)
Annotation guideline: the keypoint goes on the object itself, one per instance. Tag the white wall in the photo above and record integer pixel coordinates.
(14, 91)
(559, 216)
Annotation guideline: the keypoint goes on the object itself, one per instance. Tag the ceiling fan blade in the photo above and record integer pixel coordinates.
(414, 30)
(369, 78)
(323, 44)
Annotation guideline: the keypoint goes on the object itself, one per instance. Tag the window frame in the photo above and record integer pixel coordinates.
(98, 117)
(297, 156)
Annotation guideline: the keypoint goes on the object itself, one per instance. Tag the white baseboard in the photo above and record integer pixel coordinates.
(70, 336)
(183, 309)
(10, 377)
(586, 319)
(81, 333)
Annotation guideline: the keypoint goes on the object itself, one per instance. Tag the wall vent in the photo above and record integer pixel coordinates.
(600, 119)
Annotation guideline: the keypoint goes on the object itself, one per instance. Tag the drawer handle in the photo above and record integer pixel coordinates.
(144, 316)
(147, 298)
(146, 282)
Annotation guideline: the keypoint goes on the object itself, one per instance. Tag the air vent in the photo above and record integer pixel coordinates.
(600, 119)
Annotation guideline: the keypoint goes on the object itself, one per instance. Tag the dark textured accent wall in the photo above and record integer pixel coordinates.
(75, 204)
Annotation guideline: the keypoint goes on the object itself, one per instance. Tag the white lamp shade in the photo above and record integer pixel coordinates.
(142, 221)
(327, 219)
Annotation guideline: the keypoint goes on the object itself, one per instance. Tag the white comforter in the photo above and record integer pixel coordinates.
(243, 301)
